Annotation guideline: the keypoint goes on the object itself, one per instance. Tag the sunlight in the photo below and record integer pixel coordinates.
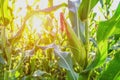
(20, 8)
(43, 4)
(37, 24)
(57, 2)
(30, 2)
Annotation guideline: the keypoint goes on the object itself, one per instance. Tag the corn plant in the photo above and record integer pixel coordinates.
(62, 49)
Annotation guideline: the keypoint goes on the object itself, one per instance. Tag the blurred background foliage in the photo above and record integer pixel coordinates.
(25, 24)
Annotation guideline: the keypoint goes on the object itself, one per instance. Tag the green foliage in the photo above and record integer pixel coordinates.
(112, 70)
(65, 61)
(105, 30)
(85, 7)
(55, 52)
(93, 3)
(5, 14)
(111, 27)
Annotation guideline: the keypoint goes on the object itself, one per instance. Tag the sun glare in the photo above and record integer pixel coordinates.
(20, 8)
(37, 24)
(30, 2)
(43, 4)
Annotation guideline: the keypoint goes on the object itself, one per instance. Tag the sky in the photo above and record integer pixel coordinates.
(96, 9)
(99, 14)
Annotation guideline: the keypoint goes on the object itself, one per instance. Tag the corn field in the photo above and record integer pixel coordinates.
(59, 39)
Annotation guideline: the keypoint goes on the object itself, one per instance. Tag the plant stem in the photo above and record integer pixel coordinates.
(87, 39)
(87, 33)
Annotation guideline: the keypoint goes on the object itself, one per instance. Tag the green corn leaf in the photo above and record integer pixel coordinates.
(1, 11)
(7, 11)
(5, 8)
(0, 8)
(118, 78)
(93, 3)
(112, 69)
(76, 44)
(110, 27)
(83, 10)
(100, 56)
(65, 61)
(105, 30)
(85, 7)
